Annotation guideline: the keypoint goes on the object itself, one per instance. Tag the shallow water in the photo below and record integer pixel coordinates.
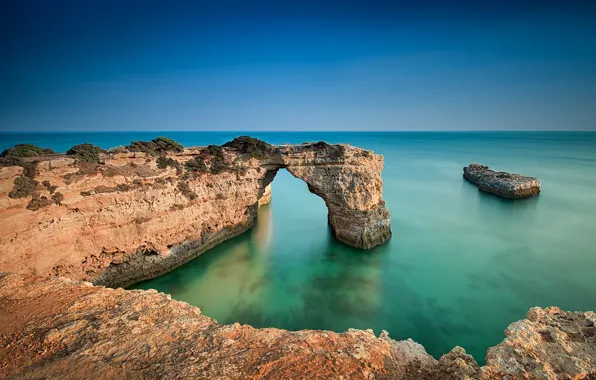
(461, 264)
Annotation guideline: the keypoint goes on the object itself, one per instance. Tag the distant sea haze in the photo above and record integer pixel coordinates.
(461, 264)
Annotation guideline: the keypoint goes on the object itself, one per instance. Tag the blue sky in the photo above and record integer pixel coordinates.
(284, 65)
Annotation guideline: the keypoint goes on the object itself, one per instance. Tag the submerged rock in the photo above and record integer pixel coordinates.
(506, 185)
(58, 328)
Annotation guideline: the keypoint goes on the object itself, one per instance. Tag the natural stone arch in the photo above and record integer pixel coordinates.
(349, 181)
(130, 219)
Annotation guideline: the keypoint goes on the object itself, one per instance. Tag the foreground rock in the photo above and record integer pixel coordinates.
(549, 344)
(506, 185)
(130, 216)
(58, 328)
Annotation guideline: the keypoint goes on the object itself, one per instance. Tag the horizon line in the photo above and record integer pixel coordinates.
(303, 131)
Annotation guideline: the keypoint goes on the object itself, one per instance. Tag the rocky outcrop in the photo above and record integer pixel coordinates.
(506, 185)
(549, 344)
(59, 328)
(349, 181)
(134, 215)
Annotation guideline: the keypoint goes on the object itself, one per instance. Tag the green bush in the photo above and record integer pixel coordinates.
(333, 151)
(29, 167)
(49, 186)
(163, 162)
(86, 152)
(213, 150)
(26, 150)
(58, 198)
(250, 145)
(38, 202)
(165, 144)
(156, 146)
(218, 165)
(186, 191)
(196, 165)
(23, 187)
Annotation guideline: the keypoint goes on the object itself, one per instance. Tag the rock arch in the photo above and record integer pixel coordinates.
(130, 218)
(349, 181)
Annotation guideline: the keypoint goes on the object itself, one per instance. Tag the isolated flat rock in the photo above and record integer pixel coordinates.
(506, 185)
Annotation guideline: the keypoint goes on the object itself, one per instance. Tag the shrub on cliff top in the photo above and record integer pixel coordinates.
(196, 165)
(164, 162)
(29, 167)
(86, 152)
(250, 145)
(155, 146)
(23, 187)
(333, 151)
(26, 150)
(212, 150)
(166, 144)
(49, 186)
(38, 202)
(58, 198)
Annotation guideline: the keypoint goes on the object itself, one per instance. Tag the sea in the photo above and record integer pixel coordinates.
(461, 264)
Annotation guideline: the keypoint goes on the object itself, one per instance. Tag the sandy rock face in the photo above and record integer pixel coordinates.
(506, 185)
(127, 220)
(74, 329)
(59, 328)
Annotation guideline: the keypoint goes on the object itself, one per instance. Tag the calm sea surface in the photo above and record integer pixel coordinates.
(461, 264)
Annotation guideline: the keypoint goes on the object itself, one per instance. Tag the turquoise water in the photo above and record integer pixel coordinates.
(461, 264)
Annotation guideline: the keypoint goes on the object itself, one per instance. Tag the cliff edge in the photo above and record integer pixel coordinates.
(59, 328)
(116, 218)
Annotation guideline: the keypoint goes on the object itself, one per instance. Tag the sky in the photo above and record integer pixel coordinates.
(110, 65)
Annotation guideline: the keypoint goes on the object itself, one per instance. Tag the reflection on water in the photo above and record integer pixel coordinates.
(461, 264)
(297, 278)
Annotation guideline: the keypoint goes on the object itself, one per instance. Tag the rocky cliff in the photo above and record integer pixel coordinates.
(120, 217)
(128, 215)
(59, 328)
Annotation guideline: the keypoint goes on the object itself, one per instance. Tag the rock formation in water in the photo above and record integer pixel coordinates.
(59, 328)
(506, 185)
(121, 217)
(132, 214)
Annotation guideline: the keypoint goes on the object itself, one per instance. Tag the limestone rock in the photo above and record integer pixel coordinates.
(73, 330)
(506, 185)
(129, 219)
(349, 181)
(549, 344)
(58, 328)
(266, 197)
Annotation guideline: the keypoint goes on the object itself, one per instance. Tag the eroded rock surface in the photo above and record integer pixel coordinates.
(349, 181)
(506, 185)
(549, 344)
(58, 328)
(135, 216)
